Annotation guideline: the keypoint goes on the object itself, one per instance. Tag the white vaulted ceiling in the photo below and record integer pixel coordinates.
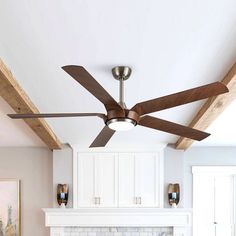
(170, 45)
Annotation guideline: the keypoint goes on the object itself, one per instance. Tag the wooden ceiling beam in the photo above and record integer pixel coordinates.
(15, 96)
(211, 109)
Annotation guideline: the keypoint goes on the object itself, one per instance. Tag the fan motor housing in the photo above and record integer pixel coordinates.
(117, 114)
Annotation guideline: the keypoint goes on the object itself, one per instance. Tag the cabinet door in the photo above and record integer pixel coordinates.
(106, 179)
(224, 201)
(86, 179)
(203, 205)
(213, 205)
(126, 180)
(146, 179)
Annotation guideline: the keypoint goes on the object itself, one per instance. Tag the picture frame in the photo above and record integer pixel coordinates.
(10, 207)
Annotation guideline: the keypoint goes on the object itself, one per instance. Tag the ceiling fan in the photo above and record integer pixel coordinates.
(119, 117)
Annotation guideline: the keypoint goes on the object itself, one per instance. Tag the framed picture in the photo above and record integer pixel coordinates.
(10, 207)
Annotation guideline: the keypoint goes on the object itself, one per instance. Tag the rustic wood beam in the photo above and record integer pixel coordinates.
(15, 96)
(211, 109)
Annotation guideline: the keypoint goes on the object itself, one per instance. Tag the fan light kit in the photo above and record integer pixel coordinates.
(118, 117)
(121, 124)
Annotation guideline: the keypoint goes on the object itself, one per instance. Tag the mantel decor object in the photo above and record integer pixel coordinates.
(173, 195)
(62, 194)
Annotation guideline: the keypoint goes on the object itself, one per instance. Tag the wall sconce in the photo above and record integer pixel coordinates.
(173, 195)
(62, 194)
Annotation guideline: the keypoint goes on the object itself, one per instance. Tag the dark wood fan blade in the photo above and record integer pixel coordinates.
(172, 128)
(180, 98)
(88, 82)
(54, 115)
(103, 137)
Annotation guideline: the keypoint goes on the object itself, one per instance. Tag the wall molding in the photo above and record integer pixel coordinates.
(225, 170)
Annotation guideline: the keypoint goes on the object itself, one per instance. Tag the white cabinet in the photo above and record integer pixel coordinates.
(139, 180)
(119, 179)
(126, 191)
(213, 201)
(146, 173)
(106, 179)
(86, 180)
(97, 179)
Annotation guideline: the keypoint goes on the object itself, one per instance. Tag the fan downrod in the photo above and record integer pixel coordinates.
(121, 73)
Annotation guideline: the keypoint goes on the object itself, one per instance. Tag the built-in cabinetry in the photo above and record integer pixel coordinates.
(118, 179)
(214, 200)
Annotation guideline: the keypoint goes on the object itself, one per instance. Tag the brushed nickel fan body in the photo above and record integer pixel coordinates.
(118, 115)
(121, 73)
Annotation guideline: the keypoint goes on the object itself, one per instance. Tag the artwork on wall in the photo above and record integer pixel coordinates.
(9, 207)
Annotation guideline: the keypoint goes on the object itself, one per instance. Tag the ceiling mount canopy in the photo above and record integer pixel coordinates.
(121, 72)
(119, 117)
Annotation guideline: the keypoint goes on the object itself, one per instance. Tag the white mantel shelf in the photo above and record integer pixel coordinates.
(118, 217)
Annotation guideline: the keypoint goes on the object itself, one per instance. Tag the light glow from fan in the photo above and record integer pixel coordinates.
(121, 124)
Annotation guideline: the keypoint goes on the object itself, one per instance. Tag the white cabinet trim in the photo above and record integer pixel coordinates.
(208, 170)
(75, 178)
(157, 148)
(161, 179)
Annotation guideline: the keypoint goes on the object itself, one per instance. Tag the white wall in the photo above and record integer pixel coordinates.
(173, 172)
(33, 166)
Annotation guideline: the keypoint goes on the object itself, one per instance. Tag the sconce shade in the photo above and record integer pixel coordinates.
(173, 194)
(62, 194)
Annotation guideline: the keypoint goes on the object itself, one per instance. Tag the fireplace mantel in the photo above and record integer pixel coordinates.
(179, 219)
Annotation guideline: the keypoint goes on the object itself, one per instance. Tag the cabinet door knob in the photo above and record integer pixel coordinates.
(139, 200)
(97, 200)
